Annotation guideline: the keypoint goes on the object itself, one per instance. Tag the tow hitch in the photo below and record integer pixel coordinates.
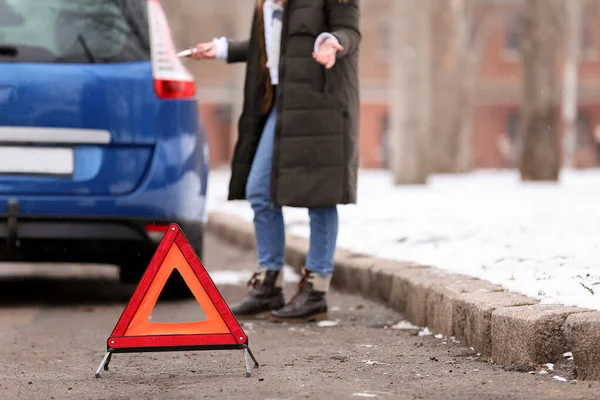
(12, 241)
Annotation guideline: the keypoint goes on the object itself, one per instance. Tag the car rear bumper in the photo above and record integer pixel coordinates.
(170, 184)
(100, 241)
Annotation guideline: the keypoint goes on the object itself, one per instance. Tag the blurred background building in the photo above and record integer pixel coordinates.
(494, 132)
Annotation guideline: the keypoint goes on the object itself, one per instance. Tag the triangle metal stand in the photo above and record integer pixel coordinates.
(248, 359)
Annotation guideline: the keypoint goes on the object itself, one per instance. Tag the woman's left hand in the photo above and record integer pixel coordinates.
(327, 52)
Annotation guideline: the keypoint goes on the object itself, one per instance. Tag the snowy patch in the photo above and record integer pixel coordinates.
(241, 277)
(527, 237)
(568, 354)
(335, 308)
(328, 324)
(425, 332)
(371, 362)
(248, 325)
(290, 275)
(439, 336)
(560, 378)
(405, 326)
(549, 366)
(363, 395)
(294, 329)
(230, 277)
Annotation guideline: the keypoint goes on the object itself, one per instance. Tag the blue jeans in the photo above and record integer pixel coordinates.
(268, 220)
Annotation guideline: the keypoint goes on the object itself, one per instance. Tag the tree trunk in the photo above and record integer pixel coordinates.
(410, 92)
(570, 79)
(540, 157)
(452, 76)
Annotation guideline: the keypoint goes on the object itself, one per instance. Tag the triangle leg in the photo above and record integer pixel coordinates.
(104, 363)
(108, 361)
(248, 363)
(247, 356)
(246, 347)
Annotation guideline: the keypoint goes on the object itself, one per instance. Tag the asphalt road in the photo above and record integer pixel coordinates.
(54, 322)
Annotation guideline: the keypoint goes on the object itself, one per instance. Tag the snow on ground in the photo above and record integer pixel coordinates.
(226, 277)
(538, 239)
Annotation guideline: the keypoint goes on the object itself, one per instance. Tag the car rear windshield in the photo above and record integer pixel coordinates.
(74, 31)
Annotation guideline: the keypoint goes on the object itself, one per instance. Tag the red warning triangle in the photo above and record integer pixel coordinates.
(134, 332)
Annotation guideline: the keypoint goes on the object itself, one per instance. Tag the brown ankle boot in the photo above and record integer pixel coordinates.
(309, 304)
(266, 295)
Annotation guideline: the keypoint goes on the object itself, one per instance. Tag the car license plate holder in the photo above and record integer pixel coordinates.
(30, 160)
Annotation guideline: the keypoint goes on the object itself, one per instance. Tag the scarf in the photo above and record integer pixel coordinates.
(267, 100)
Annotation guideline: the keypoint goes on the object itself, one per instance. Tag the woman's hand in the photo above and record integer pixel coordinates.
(204, 51)
(328, 49)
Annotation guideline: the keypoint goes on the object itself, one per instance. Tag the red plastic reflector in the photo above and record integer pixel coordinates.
(156, 228)
(170, 89)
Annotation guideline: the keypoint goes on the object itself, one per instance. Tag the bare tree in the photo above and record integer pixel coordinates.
(461, 30)
(451, 25)
(410, 92)
(570, 78)
(540, 157)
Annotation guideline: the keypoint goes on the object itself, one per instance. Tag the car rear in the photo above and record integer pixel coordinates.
(100, 141)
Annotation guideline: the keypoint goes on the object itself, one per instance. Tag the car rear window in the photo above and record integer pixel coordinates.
(74, 31)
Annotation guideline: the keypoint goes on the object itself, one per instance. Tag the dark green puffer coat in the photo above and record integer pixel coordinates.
(315, 159)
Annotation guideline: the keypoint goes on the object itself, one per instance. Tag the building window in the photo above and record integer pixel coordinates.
(384, 141)
(508, 143)
(584, 130)
(513, 126)
(384, 41)
(514, 29)
(588, 45)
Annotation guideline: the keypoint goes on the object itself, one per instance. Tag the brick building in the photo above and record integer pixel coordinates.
(497, 95)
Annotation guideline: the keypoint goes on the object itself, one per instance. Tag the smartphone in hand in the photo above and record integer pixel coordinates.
(203, 51)
(185, 53)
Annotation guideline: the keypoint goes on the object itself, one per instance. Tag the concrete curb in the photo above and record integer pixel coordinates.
(505, 327)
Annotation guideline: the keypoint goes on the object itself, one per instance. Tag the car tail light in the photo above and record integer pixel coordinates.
(171, 79)
(156, 231)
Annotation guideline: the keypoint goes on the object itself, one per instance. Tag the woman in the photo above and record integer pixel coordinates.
(298, 140)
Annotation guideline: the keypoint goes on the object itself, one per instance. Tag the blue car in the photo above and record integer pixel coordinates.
(101, 146)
